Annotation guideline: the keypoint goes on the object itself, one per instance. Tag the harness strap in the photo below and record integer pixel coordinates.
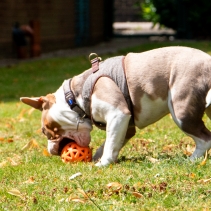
(87, 89)
(70, 99)
(113, 68)
(95, 62)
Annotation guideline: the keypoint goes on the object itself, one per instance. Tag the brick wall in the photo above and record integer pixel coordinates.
(57, 22)
(126, 10)
(96, 21)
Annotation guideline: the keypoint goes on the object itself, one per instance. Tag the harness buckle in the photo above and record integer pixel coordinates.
(70, 99)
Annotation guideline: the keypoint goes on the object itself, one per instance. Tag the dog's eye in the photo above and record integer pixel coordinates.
(47, 133)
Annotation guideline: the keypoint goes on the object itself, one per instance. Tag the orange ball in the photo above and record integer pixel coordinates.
(72, 152)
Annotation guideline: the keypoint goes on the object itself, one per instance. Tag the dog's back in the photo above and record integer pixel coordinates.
(175, 80)
(158, 70)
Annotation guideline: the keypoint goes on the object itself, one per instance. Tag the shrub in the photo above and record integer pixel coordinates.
(191, 19)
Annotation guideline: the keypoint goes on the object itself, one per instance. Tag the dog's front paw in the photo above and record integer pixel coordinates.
(99, 164)
(104, 162)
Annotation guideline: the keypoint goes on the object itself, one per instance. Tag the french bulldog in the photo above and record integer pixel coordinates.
(174, 80)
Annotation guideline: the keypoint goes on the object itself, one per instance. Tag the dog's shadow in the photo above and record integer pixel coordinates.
(139, 159)
(149, 158)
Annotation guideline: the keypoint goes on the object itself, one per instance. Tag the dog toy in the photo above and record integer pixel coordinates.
(74, 153)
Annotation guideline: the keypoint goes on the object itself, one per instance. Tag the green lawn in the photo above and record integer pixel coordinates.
(153, 172)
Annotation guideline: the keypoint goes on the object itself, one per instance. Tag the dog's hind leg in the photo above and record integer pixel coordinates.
(189, 119)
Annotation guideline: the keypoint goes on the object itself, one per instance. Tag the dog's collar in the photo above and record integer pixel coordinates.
(70, 99)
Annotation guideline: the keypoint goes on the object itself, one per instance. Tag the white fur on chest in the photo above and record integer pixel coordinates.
(151, 111)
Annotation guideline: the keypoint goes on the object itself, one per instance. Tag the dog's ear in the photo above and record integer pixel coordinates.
(35, 102)
(48, 101)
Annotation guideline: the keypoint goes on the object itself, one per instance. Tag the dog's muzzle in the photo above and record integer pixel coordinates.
(55, 147)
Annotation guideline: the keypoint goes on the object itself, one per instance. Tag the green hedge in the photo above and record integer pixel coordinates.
(191, 19)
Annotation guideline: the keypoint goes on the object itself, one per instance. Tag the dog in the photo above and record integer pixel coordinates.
(175, 80)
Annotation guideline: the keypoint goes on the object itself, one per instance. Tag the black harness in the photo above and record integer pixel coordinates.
(70, 99)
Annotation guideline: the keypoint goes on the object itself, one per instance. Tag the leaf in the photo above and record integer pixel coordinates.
(137, 194)
(30, 145)
(189, 150)
(192, 175)
(13, 162)
(38, 131)
(203, 181)
(8, 125)
(83, 193)
(61, 200)
(9, 140)
(20, 116)
(3, 163)
(30, 111)
(204, 160)
(16, 192)
(77, 200)
(26, 146)
(152, 160)
(46, 153)
(168, 147)
(137, 185)
(163, 186)
(22, 120)
(29, 181)
(115, 186)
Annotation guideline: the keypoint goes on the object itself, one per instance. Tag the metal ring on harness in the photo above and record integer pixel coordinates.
(80, 120)
(95, 62)
(96, 56)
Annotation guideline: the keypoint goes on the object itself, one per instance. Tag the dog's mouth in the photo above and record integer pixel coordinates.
(63, 143)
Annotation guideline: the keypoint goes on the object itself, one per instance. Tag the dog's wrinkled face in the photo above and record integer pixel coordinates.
(59, 122)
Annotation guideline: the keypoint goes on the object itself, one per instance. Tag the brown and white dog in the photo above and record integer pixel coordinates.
(170, 79)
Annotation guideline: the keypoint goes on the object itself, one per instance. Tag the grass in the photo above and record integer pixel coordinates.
(153, 172)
